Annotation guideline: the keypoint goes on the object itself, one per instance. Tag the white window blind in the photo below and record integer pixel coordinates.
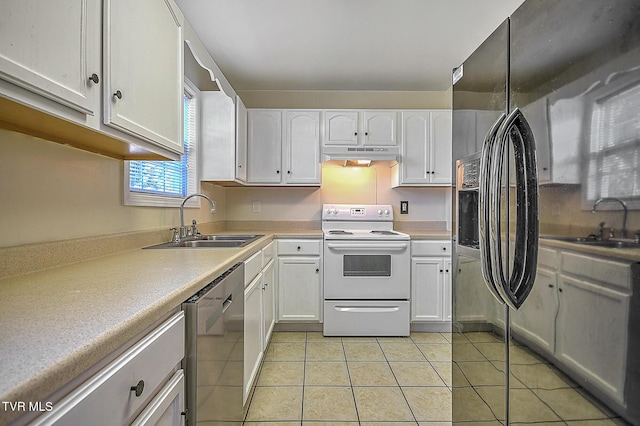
(614, 154)
(166, 183)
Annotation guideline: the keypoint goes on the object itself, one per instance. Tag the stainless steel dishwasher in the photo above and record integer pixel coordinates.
(215, 350)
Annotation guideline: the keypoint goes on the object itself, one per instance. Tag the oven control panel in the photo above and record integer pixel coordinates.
(368, 212)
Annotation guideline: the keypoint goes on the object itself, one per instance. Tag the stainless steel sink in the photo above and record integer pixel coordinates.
(590, 241)
(210, 241)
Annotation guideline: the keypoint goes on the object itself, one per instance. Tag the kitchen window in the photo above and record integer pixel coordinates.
(614, 152)
(166, 183)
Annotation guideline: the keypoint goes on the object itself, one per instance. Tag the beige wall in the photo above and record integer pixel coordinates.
(370, 185)
(54, 192)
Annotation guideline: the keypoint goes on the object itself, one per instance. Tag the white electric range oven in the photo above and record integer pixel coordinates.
(366, 272)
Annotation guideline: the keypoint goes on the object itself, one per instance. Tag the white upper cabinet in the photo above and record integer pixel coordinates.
(283, 147)
(425, 148)
(101, 76)
(264, 146)
(340, 128)
(143, 89)
(362, 128)
(241, 140)
(302, 147)
(217, 131)
(380, 128)
(52, 48)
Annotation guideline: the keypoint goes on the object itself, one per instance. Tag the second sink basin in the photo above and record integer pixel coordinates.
(595, 242)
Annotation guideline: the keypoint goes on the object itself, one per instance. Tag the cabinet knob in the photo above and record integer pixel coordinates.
(118, 94)
(440, 270)
(446, 270)
(278, 171)
(444, 249)
(550, 285)
(560, 290)
(94, 78)
(288, 172)
(317, 270)
(366, 133)
(299, 248)
(139, 388)
(355, 134)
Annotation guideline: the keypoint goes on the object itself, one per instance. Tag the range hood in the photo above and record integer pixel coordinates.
(360, 153)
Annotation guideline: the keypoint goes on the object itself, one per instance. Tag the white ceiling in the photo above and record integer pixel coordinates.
(396, 45)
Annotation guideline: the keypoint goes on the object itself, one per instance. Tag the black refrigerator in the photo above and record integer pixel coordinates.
(546, 218)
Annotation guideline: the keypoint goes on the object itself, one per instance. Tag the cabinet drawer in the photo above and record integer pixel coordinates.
(431, 248)
(548, 258)
(609, 272)
(106, 398)
(301, 247)
(252, 266)
(267, 253)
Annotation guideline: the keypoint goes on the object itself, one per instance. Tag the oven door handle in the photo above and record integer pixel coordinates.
(368, 309)
(368, 246)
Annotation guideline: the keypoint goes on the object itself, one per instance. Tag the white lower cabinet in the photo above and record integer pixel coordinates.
(144, 382)
(252, 333)
(578, 313)
(259, 317)
(268, 302)
(535, 320)
(590, 336)
(430, 281)
(299, 280)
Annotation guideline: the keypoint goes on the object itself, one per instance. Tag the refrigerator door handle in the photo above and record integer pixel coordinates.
(517, 287)
(486, 209)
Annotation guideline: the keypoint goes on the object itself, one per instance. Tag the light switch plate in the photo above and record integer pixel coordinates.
(404, 207)
(255, 207)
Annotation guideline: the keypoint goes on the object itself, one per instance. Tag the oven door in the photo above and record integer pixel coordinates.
(360, 270)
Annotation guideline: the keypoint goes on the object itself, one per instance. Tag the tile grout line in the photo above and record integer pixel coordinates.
(353, 392)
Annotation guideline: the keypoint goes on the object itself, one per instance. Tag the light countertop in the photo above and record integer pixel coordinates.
(59, 322)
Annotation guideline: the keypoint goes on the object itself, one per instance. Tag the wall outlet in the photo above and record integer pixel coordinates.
(255, 207)
(404, 207)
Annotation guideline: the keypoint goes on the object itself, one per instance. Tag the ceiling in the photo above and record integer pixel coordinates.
(369, 45)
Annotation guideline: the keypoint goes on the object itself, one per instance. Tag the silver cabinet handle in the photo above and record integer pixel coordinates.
(485, 209)
(515, 289)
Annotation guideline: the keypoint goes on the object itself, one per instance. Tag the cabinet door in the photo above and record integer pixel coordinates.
(52, 48)
(591, 336)
(299, 289)
(535, 320)
(241, 140)
(252, 333)
(143, 91)
(264, 146)
(440, 147)
(427, 285)
(217, 131)
(341, 128)
(380, 128)
(302, 147)
(446, 289)
(167, 407)
(268, 307)
(415, 147)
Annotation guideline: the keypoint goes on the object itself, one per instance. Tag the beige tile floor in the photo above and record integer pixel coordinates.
(541, 394)
(308, 379)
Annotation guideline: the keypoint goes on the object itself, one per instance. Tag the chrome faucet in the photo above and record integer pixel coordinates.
(624, 207)
(183, 229)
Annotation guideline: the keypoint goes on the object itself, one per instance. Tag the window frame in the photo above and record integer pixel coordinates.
(593, 102)
(148, 199)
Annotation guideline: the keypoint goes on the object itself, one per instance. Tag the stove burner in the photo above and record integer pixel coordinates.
(384, 232)
(340, 232)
